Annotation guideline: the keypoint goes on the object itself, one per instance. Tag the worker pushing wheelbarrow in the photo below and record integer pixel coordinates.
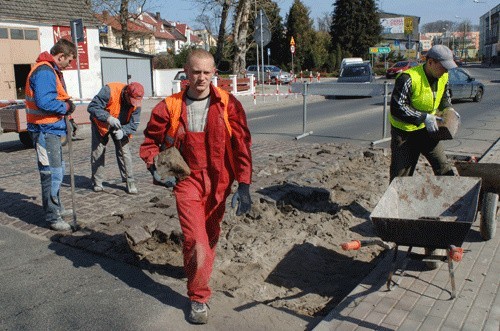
(434, 212)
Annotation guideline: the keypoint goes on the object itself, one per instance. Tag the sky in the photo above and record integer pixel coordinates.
(185, 11)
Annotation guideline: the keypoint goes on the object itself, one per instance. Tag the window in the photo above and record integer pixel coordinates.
(31, 34)
(119, 40)
(4, 33)
(16, 34)
(142, 41)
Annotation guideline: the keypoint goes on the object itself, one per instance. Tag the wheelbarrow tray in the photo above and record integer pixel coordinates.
(431, 211)
(488, 172)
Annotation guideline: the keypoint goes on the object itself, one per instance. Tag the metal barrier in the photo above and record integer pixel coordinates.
(343, 89)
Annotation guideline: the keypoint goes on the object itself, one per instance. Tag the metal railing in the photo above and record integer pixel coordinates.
(343, 89)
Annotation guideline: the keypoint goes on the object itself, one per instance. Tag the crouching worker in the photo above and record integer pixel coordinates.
(115, 111)
(209, 127)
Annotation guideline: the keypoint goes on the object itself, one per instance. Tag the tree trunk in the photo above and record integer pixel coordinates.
(124, 25)
(222, 30)
(240, 33)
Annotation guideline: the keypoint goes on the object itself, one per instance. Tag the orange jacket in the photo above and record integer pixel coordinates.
(113, 106)
(33, 113)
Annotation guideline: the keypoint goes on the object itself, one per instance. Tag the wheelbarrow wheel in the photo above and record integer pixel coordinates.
(488, 223)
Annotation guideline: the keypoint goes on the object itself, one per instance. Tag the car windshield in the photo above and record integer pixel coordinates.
(355, 71)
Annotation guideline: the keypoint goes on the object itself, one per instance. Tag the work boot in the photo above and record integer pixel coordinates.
(60, 225)
(98, 188)
(66, 212)
(131, 188)
(199, 313)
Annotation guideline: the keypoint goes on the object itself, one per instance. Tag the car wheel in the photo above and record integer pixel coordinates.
(479, 95)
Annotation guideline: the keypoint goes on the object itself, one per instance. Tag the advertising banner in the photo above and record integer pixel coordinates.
(392, 25)
(60, 32)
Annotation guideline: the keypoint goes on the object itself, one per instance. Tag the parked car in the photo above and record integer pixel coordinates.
(356, 73)
(399, 67)
(181, 75)
(272, 74)
(458, 60)
(463, 86)
(349, 60)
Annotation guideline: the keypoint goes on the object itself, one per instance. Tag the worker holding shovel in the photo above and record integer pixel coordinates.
(115, 111)
(47, 104)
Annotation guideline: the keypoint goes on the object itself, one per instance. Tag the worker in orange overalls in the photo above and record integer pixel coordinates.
(115, 111)
(209, 127)
(47, 102)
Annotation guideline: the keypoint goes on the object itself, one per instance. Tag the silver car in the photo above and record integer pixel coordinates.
(272, 74)
(356, 73)
(463, 86)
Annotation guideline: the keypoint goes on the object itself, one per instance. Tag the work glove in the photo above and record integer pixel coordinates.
(242, 199)
(169, 181)
(118, 134)
(74, 127)
(431, 123)
(114, 122)
(70, 107)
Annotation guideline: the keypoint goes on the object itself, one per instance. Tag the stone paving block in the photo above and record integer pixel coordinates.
(476, 317)
(419, 312)
(385, 305)
(431, 323)
(361, 310)
(409, 325)
(375, 318)
(455, 319)
(396, 316)
(492, 325)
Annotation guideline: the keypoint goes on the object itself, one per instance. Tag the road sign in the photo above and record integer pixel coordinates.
(77, 30)
(292, 49)
(266, 36)
(408, 25)
(261, 17)
(379, 50)
(292, 42)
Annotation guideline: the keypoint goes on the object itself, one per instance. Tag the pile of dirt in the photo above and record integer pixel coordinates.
(286, 252)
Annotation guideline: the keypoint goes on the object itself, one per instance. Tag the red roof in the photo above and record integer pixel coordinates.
(114, 22)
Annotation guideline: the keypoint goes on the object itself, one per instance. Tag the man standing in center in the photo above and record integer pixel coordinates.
(209, 127)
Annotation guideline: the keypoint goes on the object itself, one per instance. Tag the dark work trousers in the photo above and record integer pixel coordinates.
(406, 148)
(51, 167)
(97, 157)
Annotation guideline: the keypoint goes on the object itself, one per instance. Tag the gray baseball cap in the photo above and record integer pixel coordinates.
(442, 54)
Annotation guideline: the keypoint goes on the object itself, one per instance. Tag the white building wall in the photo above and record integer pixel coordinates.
(162, 81)
(91, 79)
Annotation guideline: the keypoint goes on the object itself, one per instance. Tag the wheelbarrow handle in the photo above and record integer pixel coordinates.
(352, 245)
(456, 253)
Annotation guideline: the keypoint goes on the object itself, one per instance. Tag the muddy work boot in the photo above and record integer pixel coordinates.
(131, 188)
(60, 225)
(199, 313)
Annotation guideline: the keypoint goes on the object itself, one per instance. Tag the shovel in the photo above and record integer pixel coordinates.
(69, 132)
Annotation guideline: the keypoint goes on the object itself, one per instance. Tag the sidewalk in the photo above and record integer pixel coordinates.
(422, 300)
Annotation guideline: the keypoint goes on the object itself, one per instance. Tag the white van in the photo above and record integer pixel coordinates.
(349, 60)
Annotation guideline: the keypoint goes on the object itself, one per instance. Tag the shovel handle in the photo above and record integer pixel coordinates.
(352, 245)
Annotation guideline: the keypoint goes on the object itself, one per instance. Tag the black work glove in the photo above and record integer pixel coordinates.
(74, 127)
(242, 199)
(71, 107)
(169, 181)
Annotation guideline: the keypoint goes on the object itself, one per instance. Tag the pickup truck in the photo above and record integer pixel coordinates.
(13, 119)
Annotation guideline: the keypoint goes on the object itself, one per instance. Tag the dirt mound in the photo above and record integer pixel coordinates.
(286, 251)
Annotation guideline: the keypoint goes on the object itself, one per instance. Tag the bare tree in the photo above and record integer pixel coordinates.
(125, 10)
(240, 34)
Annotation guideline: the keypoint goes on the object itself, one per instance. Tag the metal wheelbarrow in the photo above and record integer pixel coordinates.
(434, 212)
(488, 168)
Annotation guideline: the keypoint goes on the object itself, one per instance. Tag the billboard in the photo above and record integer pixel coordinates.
(392, 25)
(65, 32)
